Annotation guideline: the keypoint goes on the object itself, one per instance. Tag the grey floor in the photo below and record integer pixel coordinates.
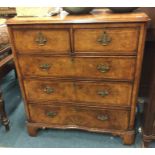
(51, 138)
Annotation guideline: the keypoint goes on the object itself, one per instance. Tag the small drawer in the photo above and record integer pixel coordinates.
(104, 93)
(119, 67)
(41, 40)
(46, 66)
(43, 90)
(79, 117)
(106, 67)
(80, 92)
(116, 40)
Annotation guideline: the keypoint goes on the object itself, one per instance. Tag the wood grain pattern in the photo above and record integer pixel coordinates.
(80, 72)
(79, 116)
(57, 40)
(62, 91)
(122, 40)
(137, 73)
(18, 71)
(119, 94)
(104, 93)
(65, 66)
(97, 16)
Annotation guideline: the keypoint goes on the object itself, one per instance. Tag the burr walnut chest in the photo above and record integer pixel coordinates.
(81, 71)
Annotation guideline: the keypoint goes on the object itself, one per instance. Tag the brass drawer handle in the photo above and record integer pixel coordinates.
(104, 39)
(103, 68)
(102, 117)
(45, 66)
(51, 114)
(103, 93)
(41, 40)
(48, 90)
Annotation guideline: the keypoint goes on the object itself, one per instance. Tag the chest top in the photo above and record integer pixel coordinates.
(97, 16)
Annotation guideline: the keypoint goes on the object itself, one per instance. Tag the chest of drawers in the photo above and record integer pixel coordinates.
(80, 72)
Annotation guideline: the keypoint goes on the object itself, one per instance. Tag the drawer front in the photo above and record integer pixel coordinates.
(81, 67)
(104, 93)
(88, 93)
(106, 67)
(106, 40)
(42, 40)
(79, 117)
(49, 90)
(46, 66)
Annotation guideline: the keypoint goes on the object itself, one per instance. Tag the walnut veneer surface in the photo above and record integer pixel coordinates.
(80, 71)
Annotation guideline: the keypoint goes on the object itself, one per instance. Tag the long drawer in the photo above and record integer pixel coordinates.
(89, 93)
(74, 116)
(109, 39)
(41, 40)
(119, 67)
